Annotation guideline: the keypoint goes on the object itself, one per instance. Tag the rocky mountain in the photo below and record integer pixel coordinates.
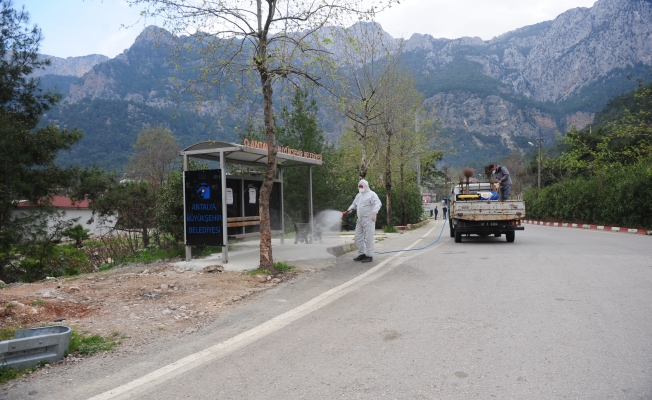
(493, 96)
(71, 66)
(537, 80)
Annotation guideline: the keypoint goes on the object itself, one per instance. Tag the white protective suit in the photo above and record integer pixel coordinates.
(367, 204)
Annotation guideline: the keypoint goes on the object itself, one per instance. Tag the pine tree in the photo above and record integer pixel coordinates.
(27, 154)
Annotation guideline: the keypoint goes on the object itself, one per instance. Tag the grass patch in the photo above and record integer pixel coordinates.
(37, 302)
(259, 272)
(390, 229)
(7, 333)
(279, 265)
(282, 267)
(105, 267)
(6, 375)
(89, 345)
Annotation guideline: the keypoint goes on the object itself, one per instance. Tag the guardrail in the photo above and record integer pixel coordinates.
(31, 347)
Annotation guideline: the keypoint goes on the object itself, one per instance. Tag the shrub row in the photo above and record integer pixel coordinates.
(620, 196)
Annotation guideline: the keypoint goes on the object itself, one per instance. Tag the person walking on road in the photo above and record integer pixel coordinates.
(367, 204)
(444, 210)
(436, 212)
(504, 180)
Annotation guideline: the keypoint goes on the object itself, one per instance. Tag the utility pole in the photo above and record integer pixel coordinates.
(416, 129)
(539, 143)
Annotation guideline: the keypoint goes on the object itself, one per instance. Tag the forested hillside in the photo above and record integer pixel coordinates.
(111, 126)
(493, 96)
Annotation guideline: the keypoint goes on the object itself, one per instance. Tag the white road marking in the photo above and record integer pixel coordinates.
(147, 382)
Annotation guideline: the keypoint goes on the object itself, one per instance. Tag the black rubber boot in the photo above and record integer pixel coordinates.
(368, 259)
(361, 257)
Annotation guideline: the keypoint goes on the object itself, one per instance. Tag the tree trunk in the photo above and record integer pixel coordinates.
(145, 238)
(266, 259)
(388, 182)
(403, 207)
(362, 171)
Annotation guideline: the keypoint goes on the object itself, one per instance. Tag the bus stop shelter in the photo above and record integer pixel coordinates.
(253, 154)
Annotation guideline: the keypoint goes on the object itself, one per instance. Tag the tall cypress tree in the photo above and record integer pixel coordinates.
(27, 154)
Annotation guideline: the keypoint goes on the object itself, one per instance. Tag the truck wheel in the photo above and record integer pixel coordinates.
(510, 236)
(458, 236)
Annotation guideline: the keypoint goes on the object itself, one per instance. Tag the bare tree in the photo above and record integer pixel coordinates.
(414, 142)
(402, 104)
(370, 61)
(271, 39)
(155, 154)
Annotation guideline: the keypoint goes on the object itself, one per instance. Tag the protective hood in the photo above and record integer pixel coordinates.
(365, 186)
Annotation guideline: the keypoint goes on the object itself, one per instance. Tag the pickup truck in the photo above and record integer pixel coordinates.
(469, 214)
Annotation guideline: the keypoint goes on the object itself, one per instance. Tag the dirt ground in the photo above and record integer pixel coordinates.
(141, 303)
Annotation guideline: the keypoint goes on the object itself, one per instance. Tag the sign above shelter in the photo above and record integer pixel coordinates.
(281, 149)
(248, 155)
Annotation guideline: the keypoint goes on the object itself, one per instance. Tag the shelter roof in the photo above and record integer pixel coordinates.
(241, 154)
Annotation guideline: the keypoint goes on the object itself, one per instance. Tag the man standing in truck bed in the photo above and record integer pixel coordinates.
(504, 180)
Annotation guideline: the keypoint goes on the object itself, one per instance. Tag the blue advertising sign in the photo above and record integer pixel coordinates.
(203, 207)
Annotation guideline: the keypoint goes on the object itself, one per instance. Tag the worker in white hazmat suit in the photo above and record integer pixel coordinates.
(367, 204)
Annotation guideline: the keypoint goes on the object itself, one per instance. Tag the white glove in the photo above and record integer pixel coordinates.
(373, 217)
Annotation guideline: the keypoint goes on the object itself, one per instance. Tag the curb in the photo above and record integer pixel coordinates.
(412, 226)
(345, 248)
(588, 226)
(341, 249)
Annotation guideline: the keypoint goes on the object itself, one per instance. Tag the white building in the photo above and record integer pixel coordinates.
(73, 210)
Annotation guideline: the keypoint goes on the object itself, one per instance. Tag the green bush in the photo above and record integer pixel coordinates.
(78, 234)
(620, 196)
(413, 205)
(54, 261)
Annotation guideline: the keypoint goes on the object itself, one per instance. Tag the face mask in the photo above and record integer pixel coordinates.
(360, 190)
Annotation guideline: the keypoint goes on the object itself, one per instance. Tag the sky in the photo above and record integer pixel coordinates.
(81, 27)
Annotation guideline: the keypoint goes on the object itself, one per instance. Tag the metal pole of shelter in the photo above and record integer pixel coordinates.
(185, 230)
(225, 233)
(310, 195)
(280, 173)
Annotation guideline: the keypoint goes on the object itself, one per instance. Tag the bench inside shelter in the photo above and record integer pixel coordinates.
(234, 222)
(239, 222)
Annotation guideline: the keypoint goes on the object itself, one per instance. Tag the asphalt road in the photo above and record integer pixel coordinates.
(559, 313)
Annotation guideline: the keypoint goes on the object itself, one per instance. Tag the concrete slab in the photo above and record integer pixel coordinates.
(245, 255)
